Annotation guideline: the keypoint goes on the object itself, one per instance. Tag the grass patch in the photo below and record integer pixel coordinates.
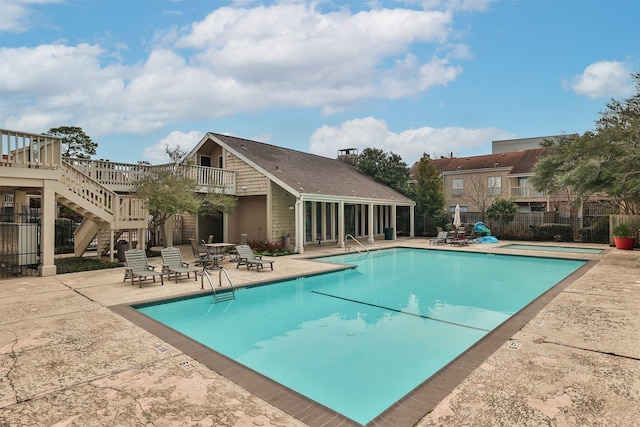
(76, 264)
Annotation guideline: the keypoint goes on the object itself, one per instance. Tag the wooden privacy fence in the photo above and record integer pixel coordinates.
(533, 226)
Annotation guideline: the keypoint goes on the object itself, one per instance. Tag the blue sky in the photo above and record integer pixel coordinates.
(410, 77)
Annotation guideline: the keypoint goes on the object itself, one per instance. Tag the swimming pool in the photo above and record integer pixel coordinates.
(573, 249)
(359, 340)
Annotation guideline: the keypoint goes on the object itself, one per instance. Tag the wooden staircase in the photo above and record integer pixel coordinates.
(106, 213)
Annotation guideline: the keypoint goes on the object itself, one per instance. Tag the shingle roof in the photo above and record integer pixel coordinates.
(520, 162)
(309, 173)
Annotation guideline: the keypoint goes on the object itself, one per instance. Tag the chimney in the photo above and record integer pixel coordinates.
(349, 155)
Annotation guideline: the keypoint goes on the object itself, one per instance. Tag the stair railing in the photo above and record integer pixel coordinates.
(87, 188)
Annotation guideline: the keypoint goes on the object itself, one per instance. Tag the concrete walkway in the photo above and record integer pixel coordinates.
(66, 359)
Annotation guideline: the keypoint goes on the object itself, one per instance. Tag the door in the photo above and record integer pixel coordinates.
(205, 174)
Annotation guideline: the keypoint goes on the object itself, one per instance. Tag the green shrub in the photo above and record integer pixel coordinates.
(596, 233)
(152, 253)
(515, 233)
(622, 230)
(268, 248)
(552, 232)
(76, 264)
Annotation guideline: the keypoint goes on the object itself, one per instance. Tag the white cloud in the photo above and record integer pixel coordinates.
(604, 79)
(466, 5)
(410, 144)
(292, 50)
(186, 141)
(236, 60)
(16, 14)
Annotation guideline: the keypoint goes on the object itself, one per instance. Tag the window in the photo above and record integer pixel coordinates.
(495, 185)
(457, 186)
(308, 218)
(328, 234)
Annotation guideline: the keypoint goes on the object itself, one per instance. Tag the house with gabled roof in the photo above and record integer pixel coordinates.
(470, 181)
(308, 198)
(284, 195)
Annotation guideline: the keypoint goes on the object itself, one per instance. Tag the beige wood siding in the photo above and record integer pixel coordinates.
(188, 227)
(471, 177)
(249, 181)
(282, 218)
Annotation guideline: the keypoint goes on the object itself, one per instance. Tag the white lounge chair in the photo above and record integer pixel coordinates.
(137, 266)
(248, 258)
(172, 263)
(459, 238)
(440, 239)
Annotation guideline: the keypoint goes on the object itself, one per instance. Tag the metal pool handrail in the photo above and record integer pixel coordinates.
(225, 296)
(346, 246)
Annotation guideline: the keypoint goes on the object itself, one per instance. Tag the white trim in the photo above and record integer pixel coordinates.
(483, 170)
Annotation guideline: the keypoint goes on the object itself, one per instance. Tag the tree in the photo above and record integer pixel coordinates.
(75, 143)
(604, 160)
(503, 210)
(481, 193)
(216, 204)
(169, 191)
(388, 169)
(166, 193)
(558, 186)
(429, 194)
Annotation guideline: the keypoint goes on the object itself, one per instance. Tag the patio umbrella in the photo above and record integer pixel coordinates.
(457, 222)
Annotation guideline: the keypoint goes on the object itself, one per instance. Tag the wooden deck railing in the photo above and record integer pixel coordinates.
(22, 149)
(87, 188)
(131, 209)
(122, 176)
(527, 192)
(116, 176)
(123, 208)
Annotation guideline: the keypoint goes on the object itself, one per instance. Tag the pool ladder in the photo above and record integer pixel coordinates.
(346, 246)
(228, 295)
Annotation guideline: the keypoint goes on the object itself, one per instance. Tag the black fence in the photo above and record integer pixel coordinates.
(535, 226)
(19, 244)
(20, 241)
(64, 235)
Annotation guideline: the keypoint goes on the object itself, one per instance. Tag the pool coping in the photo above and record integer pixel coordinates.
(405, 412)
(528, 247)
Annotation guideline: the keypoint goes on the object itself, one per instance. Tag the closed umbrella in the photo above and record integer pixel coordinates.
(457, 222)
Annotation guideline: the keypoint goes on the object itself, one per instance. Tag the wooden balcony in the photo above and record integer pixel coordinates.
(20, 149)
(527, 192)
(120, 177)
(26, 155)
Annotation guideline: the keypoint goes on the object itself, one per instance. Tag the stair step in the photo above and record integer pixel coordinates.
(225, 296)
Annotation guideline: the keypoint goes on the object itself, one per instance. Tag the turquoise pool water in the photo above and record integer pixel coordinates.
(358, 340)
(554, 248)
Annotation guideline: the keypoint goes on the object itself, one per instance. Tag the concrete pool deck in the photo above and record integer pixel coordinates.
(67, 359)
